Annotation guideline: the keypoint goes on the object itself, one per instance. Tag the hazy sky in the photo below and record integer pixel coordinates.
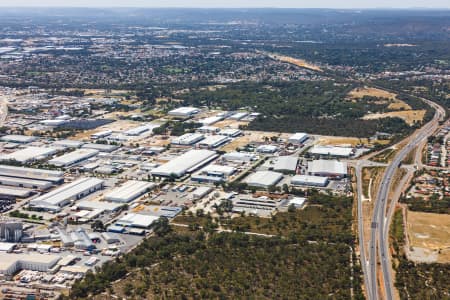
(235, 3)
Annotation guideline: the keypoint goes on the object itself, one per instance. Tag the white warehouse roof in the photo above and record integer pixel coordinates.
(188, 139)
(239, 156)
(137, 220)
(298, 137)
(29, 154)
(73, 157)
(31, 173)
(263, 179)
(214, 141)
(129, 191)
(309, 180)
(285, 163)
(15, 138)
(62, 195)
(331, 150)
(185, 163)
(330, 167)
(184, 111)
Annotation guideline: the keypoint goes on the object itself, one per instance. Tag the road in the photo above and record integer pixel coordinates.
(380, 222)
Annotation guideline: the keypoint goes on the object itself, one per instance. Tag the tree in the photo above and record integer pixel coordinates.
(97, 225)
(161, 227)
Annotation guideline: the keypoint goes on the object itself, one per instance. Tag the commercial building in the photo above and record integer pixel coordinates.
(100, 147)
(309, 180)
(263, 179)
(101, 134)
(73, 157)
(213, 173)
(201, 192)
(254, 205)
(186, 163)
(188, 139)
(238, 116)
(19, 139)
(285, 164)
(110, 238)
(213, 141)
(141, 129)
(298, 202)
(14, 192)
(81, 239)
(184, 112)
(129, 191)
(63, 195)
(29, 154)
(10, 230)
(68, 144)
(331, 151)
(239, 157)
(11, 263)
(31, 173)
(267, 149)
(298, 138)
(26, 183)
(327, 168)
(208, 129)
(136, 220)
(210, 120)
(229, 132)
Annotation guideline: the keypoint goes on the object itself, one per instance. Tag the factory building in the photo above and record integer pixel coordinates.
(184, 112)
(129, 191)
(327, 168)
(331, 151)
(284, 164)
(18, 139)
(208, 129)
(309, 180)
(239, 157)
(213, 141)
(100, 147)
(29, 154)
(229, 132)
(213, 173)
(141, 129)
(188, 139)
(11, 263)
(25, 183)
(101, 134)
(14, 192)
(238, 116)
(263, 179)
(63, 195)
(72, 158)
(201, 192)
(267, 149)
(254, 205)
(81, 239)
(136, 220)
(210, 120)
(186, 163)
(298, 138)
(67, 144)
(55, 177)
(10, 231)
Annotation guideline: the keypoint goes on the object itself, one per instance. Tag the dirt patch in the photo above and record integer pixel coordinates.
(230, 124)
(409, 116)
(338, 141)
(429, 234)
(395, 103)
(295, 61)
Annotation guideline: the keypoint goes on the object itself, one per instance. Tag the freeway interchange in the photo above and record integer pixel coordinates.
(378, 246)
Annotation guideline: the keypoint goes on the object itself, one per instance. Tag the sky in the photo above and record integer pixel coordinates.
(234, 3)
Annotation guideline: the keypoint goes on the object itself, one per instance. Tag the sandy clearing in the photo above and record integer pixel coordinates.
(409, 116)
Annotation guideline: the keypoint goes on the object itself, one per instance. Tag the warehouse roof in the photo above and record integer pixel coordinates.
(16, 192)
(327, 166)
(29, 153)
(285, 163)
(214, 141)
(263, 178)
(185, 163)
(73, 157)
(331, 150)
(307, 179)
(184, 111)
(188, 138)
(68, 143)
(137, 220)
(129, 191)
(299, 136)
(22, 172)
(15, 138)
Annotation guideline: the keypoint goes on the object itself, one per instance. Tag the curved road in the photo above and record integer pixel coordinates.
(380, 223)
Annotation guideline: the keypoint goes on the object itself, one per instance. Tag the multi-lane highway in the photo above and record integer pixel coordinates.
(380, 221)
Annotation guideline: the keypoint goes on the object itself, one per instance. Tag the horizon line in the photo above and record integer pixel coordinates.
(243, 7)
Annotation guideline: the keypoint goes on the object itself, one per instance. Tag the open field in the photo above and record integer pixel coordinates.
(295, 61)
(395, 104)
(409, 116)
(429, 234)
(230, 124)
(370, 178)
(252, 136)
(119, 125)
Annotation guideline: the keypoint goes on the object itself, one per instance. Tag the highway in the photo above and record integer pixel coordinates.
(379, 231)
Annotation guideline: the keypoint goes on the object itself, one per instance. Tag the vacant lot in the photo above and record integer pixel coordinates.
(409, 116)
(430, 234)
(395, 104)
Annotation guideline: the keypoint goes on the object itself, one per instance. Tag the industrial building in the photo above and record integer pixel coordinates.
(284, 164)
(331, 151)
(73, 157)
(101, 134)
(10, 230)
(31, 173)
(213, 141)
(298, 138)
(14, 192)
(100, 147)
(186, 163)
(327, 168)
(229, 132)
(208, 129)
(62, 196)
(19, 139)
(309, 180)
(267, 149)
(263, 179)
(141, 129)
(188, 139)
(238, 116)
(254, 205)
(129, 191)
(213, 173)
(81, 239)
(26, 183)
(239, 157)
(67, 144)
(184, 112)
(11, 263)
(201, 192)
(210, 120)
(136, 220)
(29, 154)
(298, 202)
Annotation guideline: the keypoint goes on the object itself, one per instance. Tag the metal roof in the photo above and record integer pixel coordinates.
(184, 163)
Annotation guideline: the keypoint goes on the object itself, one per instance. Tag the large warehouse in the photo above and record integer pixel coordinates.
(327, 168)
(239, 156)
(184, 112)
(73, 157)
(11, 263)
(19, 139)
(26, 183)
(186, 163)
(31, 173)
(129, 191)
(188, 139)
(29, 154)
(332, 151)
(62, 196)
(309, 180)
(213, 173)
(263, 179)
(298, 138)
(213, 141)
(286, 164)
